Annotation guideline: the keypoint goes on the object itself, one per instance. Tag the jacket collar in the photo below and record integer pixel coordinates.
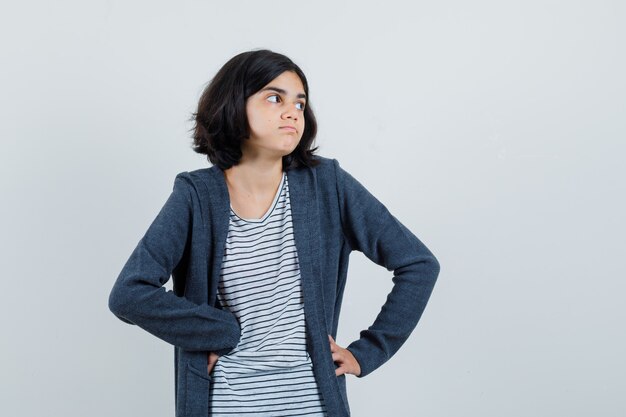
(305, 219)
(302, 196)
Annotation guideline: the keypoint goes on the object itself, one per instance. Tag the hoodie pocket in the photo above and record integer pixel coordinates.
(197, 395)
(204, 374)
(341, 380)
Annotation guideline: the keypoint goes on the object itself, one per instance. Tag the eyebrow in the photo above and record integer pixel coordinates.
(283, 92)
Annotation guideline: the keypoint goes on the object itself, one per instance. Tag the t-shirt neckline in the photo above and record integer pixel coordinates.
(270, 209)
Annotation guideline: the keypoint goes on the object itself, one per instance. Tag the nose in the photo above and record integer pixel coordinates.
(291, 112)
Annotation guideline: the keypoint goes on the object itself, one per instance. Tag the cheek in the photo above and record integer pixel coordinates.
(257, 120)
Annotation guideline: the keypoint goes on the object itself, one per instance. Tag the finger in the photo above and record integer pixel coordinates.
(333, 342)
(333, 347)
(340, 371)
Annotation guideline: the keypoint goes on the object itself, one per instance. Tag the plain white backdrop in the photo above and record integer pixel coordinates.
(494, 130)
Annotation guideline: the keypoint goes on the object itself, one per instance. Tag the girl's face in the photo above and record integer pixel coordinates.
(276, 117)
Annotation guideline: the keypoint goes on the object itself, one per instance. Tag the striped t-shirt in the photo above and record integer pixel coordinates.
(269, 373)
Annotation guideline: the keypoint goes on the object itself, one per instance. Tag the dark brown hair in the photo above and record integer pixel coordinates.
(221, 123)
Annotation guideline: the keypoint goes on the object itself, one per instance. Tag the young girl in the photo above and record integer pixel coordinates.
(258, 246)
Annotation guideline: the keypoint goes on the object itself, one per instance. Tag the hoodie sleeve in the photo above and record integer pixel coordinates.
(138, 296)
(371, 229)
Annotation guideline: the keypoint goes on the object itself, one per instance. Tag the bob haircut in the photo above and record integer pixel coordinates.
(221, 123)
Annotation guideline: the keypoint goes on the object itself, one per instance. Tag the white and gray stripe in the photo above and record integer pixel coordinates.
(270, 372)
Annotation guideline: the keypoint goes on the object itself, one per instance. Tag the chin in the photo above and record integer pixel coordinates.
(292, 145)
(288, 152)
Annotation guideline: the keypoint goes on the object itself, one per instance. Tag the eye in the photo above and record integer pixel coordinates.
(302, 104)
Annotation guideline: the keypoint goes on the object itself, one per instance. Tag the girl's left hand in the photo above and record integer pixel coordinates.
(211, 360)
(347, 362)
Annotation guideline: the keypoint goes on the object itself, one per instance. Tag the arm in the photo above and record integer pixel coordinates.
(138, 296)
(371, 229)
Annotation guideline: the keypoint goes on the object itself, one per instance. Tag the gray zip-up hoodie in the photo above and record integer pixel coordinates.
(332, 214)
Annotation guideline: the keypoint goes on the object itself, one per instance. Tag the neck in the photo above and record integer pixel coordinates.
(255, 176)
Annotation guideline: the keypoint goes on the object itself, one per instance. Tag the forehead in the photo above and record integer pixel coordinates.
(288, 83)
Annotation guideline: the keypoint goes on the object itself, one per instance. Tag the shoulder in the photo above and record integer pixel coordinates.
(332, 169)
(324, 163)
(328, 171)
(198, 175)
(198, 184)
(195, 178)
(327, 167)
(322, 173)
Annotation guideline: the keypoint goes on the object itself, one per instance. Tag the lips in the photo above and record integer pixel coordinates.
(291, 128)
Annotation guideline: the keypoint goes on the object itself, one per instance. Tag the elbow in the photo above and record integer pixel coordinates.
(435, 267)
(430, 267)
(117, 302)
(119, 306)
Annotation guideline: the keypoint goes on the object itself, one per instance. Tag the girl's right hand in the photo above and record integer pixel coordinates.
(212, 358)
